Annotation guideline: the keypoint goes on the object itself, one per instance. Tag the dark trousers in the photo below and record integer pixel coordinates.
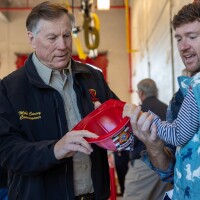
(121, 166)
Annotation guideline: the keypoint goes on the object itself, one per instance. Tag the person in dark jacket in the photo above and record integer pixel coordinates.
(3, 184)
(148, 94)
(139, 175)
(40, 103)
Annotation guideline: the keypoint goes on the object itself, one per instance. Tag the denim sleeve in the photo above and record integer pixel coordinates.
(165, 175)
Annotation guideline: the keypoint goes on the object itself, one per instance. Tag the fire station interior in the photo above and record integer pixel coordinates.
(133, 40)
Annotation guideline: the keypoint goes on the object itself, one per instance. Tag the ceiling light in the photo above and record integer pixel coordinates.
(103, 4)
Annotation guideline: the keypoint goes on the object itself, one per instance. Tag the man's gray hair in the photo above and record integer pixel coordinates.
(148, 86)
(46, 11)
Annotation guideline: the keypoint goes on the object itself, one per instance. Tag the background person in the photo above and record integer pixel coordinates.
(139, 175)
(121, 165)
(40, 104)
(148, 94)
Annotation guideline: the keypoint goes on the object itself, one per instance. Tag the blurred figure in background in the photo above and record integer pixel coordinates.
(139, 175)
(121, 166)
(148, 92)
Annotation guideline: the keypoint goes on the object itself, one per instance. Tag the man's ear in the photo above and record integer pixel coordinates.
(31, 38)
(141, 94)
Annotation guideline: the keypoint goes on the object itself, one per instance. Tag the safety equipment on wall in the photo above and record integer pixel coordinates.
(91, 31)
(114, 131)
(77, 43)
(91, 25)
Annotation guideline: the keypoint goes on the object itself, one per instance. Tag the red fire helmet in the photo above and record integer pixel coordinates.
(115, 132)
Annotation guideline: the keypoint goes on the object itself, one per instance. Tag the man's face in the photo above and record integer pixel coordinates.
(188, 42)
(53, 42)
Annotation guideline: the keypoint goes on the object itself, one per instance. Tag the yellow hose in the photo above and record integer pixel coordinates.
(91, 31)
(76, 41)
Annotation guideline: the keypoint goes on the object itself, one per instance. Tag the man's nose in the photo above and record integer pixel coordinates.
(184, 45)
(61, 43)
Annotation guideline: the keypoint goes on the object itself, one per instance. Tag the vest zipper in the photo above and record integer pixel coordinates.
(61, 135)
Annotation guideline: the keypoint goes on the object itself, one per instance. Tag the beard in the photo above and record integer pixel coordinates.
(193, 70)
(197, 69)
